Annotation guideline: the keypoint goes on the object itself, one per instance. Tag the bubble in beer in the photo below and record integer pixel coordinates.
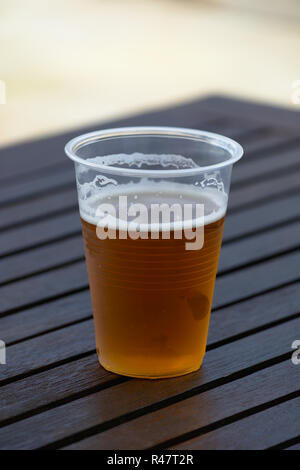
(199, 305)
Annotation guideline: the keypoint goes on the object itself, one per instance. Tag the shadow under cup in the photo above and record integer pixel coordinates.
(152, 204)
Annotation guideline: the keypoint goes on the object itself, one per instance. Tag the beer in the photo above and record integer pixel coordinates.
(152, 297)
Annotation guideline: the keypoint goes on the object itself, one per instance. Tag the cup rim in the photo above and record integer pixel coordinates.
(231, 146)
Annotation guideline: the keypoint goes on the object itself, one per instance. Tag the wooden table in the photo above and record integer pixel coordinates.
(53, 392)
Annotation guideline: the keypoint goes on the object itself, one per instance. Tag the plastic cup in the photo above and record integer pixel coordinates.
(152, 203)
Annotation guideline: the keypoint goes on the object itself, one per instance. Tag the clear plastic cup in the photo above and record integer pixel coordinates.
(152, 203)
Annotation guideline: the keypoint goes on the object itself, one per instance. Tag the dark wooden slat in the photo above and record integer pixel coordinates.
(70, 249)
(39, 232)
(74, 276)
(255, 279)
(61, 173)
(59, 179)
(132, 395)
(277, 305)
(42, 181)
(224, 324)
(269, 144)
(248, 281)
(25, 356)
(260, 113)
(45, 257)
(260, 218)
(257, 432)
(68, 380)
(43, 286)
(246, 316)
(65, 198)
(67, 250)
(63, 177)
(265, 168)
(51, 315)
(242, 130)
(258, 193)
(34, 156)
(48, 349)
(259, 247)
(27, 211)
(83, 386)
(238, 198)
(198, 411)
(257, 141)
(62, 225)
(45, 152)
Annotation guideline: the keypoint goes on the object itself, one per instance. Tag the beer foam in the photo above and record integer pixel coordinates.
(106, 190)
(138, 160)
(148, 192)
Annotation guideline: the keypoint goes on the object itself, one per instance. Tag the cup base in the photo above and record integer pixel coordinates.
(151, 376)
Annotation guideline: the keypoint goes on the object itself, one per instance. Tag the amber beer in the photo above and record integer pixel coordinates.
(152, 298)
(152, 295)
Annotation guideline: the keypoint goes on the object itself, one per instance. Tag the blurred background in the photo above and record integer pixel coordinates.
(68, 63)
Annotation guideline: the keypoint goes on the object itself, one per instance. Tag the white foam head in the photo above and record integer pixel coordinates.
(106, 190)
